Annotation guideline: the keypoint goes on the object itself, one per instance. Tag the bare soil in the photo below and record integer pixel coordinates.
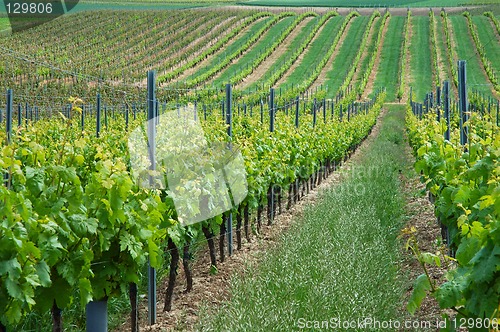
(299, 59)
(259, 72)
(203, 63)
(212, 289)
(420, 214)
(374, 71)
(357, 72)
(321, 80)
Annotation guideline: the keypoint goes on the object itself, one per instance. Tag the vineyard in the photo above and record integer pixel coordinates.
(120, 129)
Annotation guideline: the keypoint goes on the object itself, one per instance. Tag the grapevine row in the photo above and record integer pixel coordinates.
(482, 53)
(451, 55)
(373, 56)
(404, 55)
(434, 46)
(317, 71)
(494, 20)
(465, 183)
(245, 72)
(214, 48)
(293, 57)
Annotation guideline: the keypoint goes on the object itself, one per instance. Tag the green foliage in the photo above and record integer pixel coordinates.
(432, 28)
(373, 55)
(490, 71)
(404, 55)
(451, 52)
(214, 48)
(466, 184)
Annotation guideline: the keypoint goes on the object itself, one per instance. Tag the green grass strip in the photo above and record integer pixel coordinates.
(370, 48)
(354, 65)
(441, 45)
(372, 54)
(217, 46)
(476, 79)
(404, 56)
(482, 50)
(346, 54)
(390, 58)
(233, 51)
(339, 261)
(247, 59)
(487, 37)
(451, 53)
(315, 52)
(295, 44)
(432, 29)
(420, 62)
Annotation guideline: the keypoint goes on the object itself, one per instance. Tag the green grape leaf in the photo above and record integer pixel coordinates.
(10, 267)
(14, 289)
(85, 291)
(486, 262)
(43, 271)
(420, 288)
(467, 249)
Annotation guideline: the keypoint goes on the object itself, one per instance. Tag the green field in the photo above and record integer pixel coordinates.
(347, 53)
(476, 78)
(80, 225)
(388, 71)
(364, 3)
(4, 23)
(259, 47)
(315, 52)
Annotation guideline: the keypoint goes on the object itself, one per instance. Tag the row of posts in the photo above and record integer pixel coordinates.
(443, 100)
(97, 310)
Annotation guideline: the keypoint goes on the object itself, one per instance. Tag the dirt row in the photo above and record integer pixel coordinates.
(212, 289)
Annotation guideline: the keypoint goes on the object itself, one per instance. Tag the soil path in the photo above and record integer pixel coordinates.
(212, 289)
(321, 80)
(259, 72)
(207, 60)
(300, 58)
(374, 71)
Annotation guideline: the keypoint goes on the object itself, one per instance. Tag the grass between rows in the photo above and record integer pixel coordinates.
(346, 54)
(294, 45)
(443, 49)
(315, 52)
(489, 41)
(370, 46)
(232, 46)
(421, 63)
(341, 260)
(364, 3)
(466, 50)
(246, 60)
(390, 58)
